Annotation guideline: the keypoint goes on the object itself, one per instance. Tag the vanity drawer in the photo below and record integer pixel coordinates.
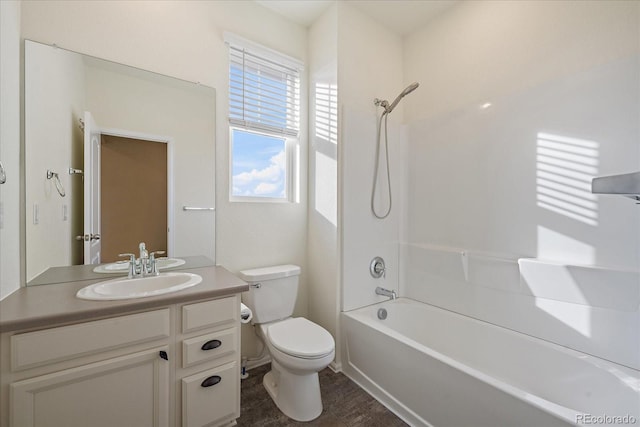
(209, 347)
(66, 342)
(210, 313)
(211, 396)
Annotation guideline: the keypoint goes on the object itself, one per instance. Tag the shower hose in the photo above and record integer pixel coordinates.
(384, 115)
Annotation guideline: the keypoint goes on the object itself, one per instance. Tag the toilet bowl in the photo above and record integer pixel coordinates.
(299, 348)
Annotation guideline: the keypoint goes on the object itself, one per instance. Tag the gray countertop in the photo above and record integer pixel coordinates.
(75, 273)
(53, 304)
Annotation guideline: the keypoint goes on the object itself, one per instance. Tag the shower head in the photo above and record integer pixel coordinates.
(413, 86)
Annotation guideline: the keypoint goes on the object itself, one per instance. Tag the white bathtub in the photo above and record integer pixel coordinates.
(434, 367)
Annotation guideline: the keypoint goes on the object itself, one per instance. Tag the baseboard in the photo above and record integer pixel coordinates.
(335, 366)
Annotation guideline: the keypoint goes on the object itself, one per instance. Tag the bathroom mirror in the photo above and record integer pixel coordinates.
(150, 153)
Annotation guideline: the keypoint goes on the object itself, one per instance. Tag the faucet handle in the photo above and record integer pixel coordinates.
(132, 265)
(153, 254)
(153, 266)
(132, 257)
(377, 268)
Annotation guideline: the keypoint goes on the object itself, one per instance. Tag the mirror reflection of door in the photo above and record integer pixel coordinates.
(133, 195)
(91, 236)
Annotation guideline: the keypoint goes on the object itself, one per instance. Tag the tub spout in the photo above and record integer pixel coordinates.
(386, 292)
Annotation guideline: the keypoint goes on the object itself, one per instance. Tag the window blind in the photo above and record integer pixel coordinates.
(264, 94)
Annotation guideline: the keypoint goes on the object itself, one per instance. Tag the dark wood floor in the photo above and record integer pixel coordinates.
(345, 404)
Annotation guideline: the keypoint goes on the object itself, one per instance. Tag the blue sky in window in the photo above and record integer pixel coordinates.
(259, 165)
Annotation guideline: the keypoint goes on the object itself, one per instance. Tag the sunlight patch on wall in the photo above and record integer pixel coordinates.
(558, 291)
(326, 153)
(575, 316)
(560, 247)
(326, 185)
(564, 169)
(326, 106)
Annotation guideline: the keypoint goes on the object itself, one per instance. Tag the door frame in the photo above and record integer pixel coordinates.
(170, 142)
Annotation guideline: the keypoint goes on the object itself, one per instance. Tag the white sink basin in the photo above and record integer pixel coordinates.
(123, 266)
(142, 287)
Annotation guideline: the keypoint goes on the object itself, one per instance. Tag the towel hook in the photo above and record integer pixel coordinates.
(56, 180)
(3, 175)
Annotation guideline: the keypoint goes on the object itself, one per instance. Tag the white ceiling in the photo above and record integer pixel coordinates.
(400, 16)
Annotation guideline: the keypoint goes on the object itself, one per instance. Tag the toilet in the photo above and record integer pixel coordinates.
(299, 348)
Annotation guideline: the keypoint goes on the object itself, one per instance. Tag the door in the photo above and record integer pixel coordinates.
(91, 190)
(133, 195)
(131, 390)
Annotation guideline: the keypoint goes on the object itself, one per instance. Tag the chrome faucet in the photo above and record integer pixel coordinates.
(386, 292)
(146, 265)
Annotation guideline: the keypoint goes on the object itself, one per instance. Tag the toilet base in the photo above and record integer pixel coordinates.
(297, 396)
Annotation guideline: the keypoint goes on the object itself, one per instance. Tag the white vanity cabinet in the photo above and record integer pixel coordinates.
(173, 366)
(99, 373)
(208, 363)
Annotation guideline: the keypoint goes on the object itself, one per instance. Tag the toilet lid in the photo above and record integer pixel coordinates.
(301, 338)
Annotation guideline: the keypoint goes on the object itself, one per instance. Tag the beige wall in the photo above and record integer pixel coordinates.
(323, 173)
(177, 111)
(10, 146)
(55, 100)
(185, 39)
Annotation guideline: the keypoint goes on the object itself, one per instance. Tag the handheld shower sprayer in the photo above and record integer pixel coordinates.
(413, 86)
(388, 108)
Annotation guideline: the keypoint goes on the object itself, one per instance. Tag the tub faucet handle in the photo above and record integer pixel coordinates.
(377, 268)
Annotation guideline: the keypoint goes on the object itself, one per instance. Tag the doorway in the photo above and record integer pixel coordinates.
(133, 195)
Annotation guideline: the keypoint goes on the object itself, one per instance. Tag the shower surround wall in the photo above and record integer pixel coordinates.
(520, 104)
(370, 58)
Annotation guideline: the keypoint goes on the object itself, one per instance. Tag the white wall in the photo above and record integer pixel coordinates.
(370, 66)
(184, 39)
(322, 226)
(489, 186)
(181, 111)
(55, 100)
(10, 146)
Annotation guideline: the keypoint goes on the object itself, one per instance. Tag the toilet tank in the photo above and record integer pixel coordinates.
(272, 291)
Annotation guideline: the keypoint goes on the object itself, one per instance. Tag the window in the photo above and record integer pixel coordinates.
(264, 121)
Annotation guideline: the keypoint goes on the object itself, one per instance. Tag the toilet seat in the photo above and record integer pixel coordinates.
(301, 338)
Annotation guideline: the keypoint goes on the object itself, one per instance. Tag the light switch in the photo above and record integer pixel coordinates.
(36, 214)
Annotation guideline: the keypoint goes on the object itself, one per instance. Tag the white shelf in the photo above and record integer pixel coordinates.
(627, 184)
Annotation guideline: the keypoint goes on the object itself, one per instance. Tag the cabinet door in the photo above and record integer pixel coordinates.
(131, 390)
(211, 397)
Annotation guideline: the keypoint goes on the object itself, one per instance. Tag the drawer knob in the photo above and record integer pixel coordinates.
(211, 381)
(210, 345)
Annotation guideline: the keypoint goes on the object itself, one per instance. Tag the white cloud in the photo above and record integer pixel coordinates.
(266, 188)
(261, 182)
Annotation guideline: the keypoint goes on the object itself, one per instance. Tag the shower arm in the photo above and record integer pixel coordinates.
(381, 103)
